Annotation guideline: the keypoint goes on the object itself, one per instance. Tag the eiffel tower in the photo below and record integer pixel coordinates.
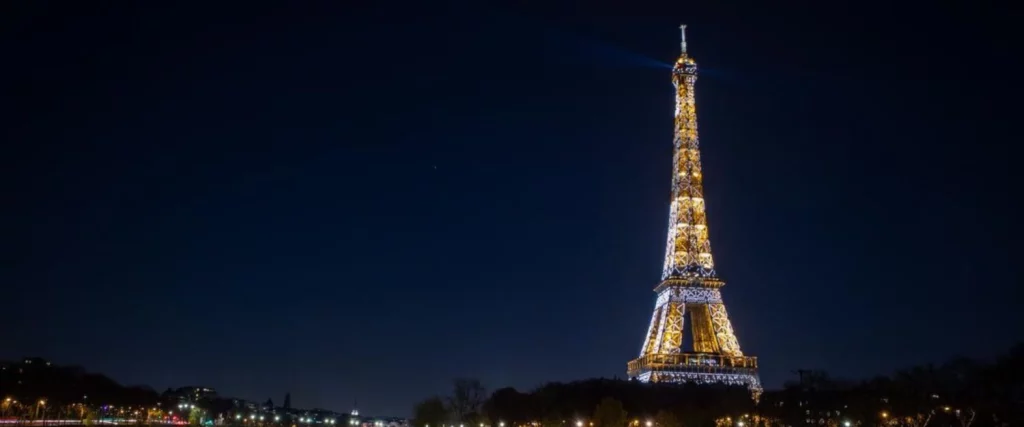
(689, 285)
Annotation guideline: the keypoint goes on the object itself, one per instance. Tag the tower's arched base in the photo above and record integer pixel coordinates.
(698, 368)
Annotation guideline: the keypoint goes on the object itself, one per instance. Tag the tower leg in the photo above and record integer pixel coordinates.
(672, 333)
(723, 330)
(653, 331)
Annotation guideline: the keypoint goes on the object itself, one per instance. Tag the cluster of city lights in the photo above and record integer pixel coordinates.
(9, 402)
(12, 401)
(500, 424)
(741, 423)
(276, 418)
(41, 405)
(302, 420)
(311, 419)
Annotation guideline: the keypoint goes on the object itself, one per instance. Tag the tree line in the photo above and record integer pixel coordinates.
(961, 393)
(35, 389)
(34, 379)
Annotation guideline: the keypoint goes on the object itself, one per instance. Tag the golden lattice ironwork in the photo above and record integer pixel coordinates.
(688, 252)
(690, 286)
(705, 362)
(704, 339)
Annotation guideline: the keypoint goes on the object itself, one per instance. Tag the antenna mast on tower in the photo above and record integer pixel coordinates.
(682, 32)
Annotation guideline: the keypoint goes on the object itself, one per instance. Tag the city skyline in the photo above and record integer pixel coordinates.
(359, 204)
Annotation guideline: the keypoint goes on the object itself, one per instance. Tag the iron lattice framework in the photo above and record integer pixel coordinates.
(689, 284)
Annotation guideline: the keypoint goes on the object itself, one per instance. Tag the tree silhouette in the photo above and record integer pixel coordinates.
(430, 412)
(195, 416)
(509, 406)
(666, 419)
(467, 399)
(609, 413)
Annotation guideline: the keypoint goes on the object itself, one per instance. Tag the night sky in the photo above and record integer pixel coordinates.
(364, 202)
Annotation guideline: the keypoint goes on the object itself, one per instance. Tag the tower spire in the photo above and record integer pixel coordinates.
(682, 32)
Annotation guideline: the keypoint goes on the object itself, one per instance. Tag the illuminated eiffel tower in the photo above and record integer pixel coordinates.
(689, 285)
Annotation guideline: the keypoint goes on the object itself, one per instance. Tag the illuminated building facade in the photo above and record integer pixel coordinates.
(689, 285)
(191, 393)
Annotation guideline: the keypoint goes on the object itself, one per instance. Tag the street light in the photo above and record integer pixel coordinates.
(579, 423)
(846, 423)
(739, 423)
(649, 423)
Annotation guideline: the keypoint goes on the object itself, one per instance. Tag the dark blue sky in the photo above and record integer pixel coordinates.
(365, 202)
